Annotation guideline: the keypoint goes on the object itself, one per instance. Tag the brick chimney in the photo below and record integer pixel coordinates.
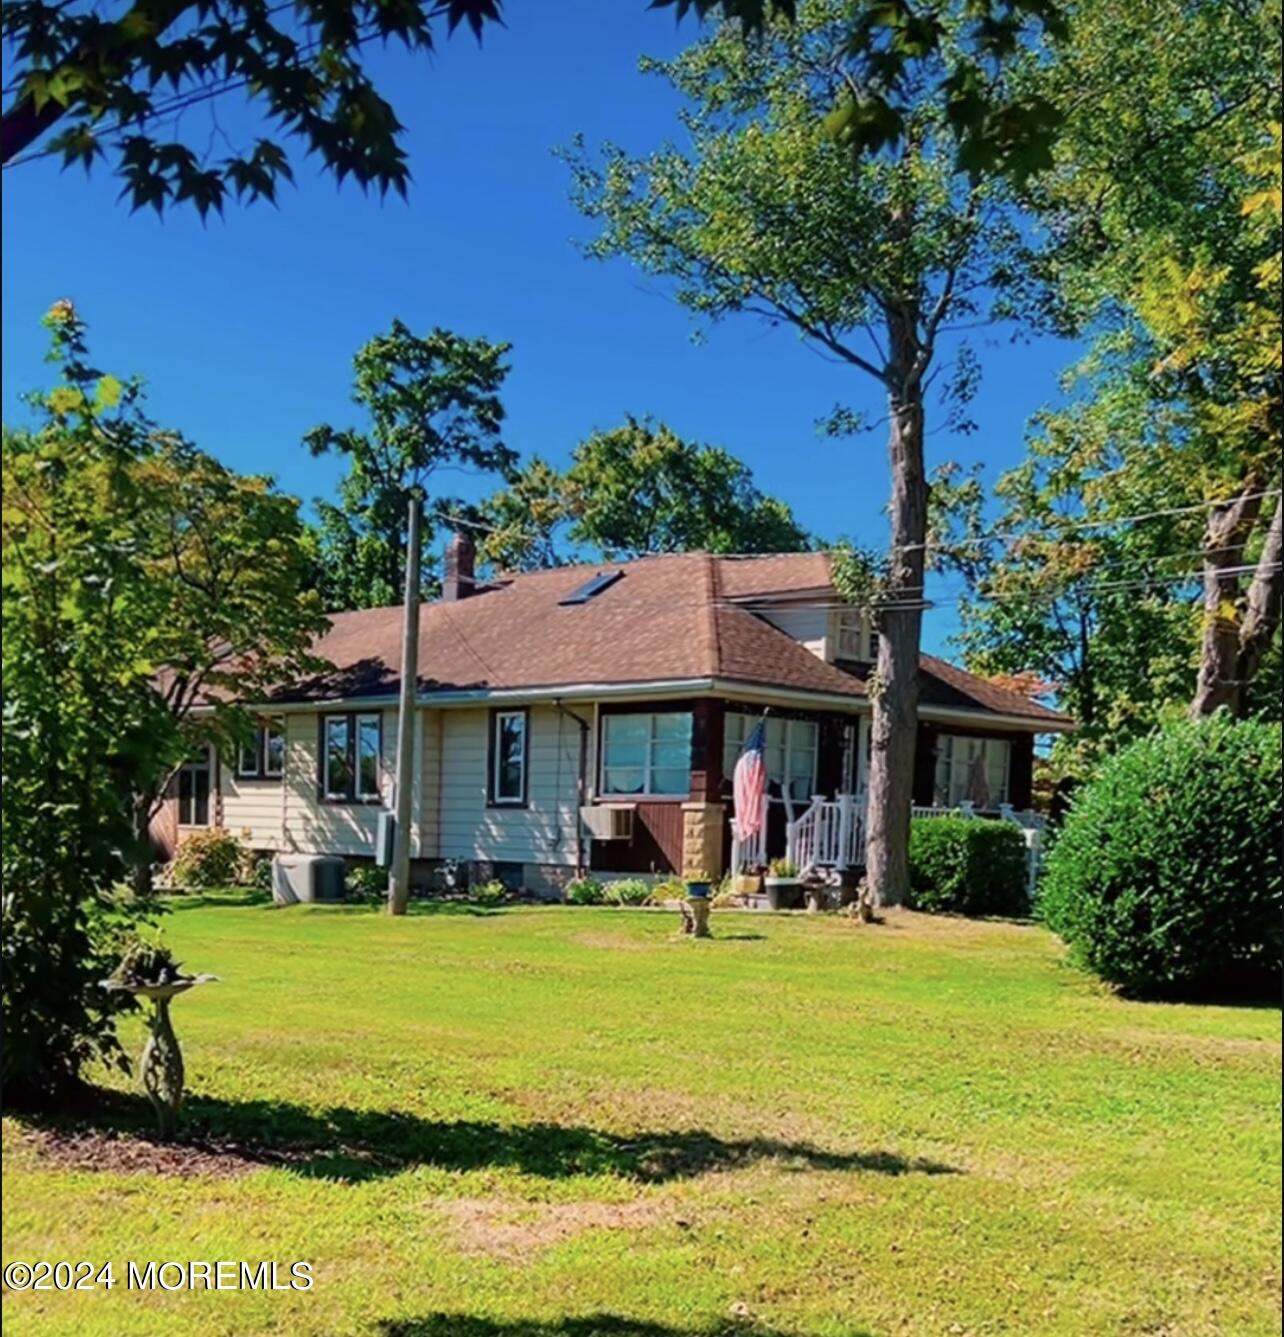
(458, 582)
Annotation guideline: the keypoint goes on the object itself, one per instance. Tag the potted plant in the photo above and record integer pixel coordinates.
(695, 909)
(782, 883)
(698, 884)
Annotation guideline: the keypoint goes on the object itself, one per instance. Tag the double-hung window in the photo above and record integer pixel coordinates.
(971, 769)
(647, 754)
(263, 757)
(350, 757)
(789, 754)
(509, 731)
(194, 789)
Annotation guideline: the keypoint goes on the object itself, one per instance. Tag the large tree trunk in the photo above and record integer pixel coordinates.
(1224, 667)
(141, 879)
(1262, 613)
(895, 683)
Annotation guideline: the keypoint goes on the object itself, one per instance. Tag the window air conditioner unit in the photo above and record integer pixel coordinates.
(608, 821)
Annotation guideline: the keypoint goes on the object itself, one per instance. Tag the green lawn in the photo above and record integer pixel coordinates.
(562, 1121)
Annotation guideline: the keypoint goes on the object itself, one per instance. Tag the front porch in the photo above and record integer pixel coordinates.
(827, 836)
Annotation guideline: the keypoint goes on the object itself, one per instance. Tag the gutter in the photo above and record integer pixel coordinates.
(675, 687)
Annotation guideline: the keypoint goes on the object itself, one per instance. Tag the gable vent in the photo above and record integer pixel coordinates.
(583, 593)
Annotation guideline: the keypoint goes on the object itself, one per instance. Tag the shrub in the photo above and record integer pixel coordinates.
(782, 868)
(365, 882)
(585, 891)
(671, 889)
(261, 877)
(1165, 878)
(490, 893)
(213, 858)
(967, 866)
(629, 891)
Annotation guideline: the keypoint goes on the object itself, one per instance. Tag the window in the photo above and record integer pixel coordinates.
(350, 757)
(194, 790)
(508, 732)
(972, 769)
(647, 754)
(857, 636)
(790, 753)
(264, 757)
(274, 748)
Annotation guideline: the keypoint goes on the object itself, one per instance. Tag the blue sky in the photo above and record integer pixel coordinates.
(244, 327)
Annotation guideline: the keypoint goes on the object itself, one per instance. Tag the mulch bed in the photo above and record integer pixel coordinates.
(118, 1153)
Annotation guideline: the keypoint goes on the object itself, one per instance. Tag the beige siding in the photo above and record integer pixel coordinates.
(428, 805)
(810, 626)
(542, 832)
(253, 806)
(314, 827)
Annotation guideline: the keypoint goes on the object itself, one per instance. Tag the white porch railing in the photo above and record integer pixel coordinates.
(830, 834)
(748, 853)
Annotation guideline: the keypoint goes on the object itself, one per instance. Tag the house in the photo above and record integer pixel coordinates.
(546, 698)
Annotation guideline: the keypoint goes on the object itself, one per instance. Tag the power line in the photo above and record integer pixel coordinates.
(993, 535)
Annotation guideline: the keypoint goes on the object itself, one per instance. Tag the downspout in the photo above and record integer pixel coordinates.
(581, 785)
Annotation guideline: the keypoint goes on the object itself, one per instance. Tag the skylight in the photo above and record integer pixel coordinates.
(583, 593)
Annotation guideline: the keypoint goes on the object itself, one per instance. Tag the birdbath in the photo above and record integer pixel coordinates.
(161, 1068)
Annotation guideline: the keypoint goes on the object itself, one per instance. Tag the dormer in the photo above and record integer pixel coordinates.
(831, 634)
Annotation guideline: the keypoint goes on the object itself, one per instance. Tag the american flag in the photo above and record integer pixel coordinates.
(750, 782)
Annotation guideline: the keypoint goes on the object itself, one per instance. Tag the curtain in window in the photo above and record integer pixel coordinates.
(647, 754)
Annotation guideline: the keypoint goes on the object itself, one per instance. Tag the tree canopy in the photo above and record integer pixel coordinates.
(1163, 221)
(114, 81)
(433, 403)
(638, 488)
(141, 579)
(875, 245)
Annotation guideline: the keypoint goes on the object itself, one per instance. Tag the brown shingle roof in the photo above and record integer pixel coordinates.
(665, 619)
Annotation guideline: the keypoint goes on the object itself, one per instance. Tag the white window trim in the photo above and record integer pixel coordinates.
(367, 717)
(250, 772)
(277, 724)
(349, 749)
(497, 798)
(646, 791)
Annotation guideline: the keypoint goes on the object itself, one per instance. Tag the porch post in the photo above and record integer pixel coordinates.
(845, 806)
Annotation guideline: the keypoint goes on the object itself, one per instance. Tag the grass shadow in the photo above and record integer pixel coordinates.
(238, 897)
(587, 1325)
(354, 1146)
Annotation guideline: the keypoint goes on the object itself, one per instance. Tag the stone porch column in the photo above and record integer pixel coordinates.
(702, 838)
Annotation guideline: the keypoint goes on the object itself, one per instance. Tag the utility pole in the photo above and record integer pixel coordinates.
(399, 877)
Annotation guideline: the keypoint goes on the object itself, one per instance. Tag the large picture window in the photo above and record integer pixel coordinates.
(263, 758)
(194, 789)
(647, 754)
(350, 757)
(508, 750)
(790, 753)
(971, 769)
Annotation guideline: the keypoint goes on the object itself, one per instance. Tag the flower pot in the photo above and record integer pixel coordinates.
(783, 893)
(747, 884)
(698, 891)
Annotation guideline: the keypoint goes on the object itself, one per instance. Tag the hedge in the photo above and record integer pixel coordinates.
(968, 866)
(1165, 879)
